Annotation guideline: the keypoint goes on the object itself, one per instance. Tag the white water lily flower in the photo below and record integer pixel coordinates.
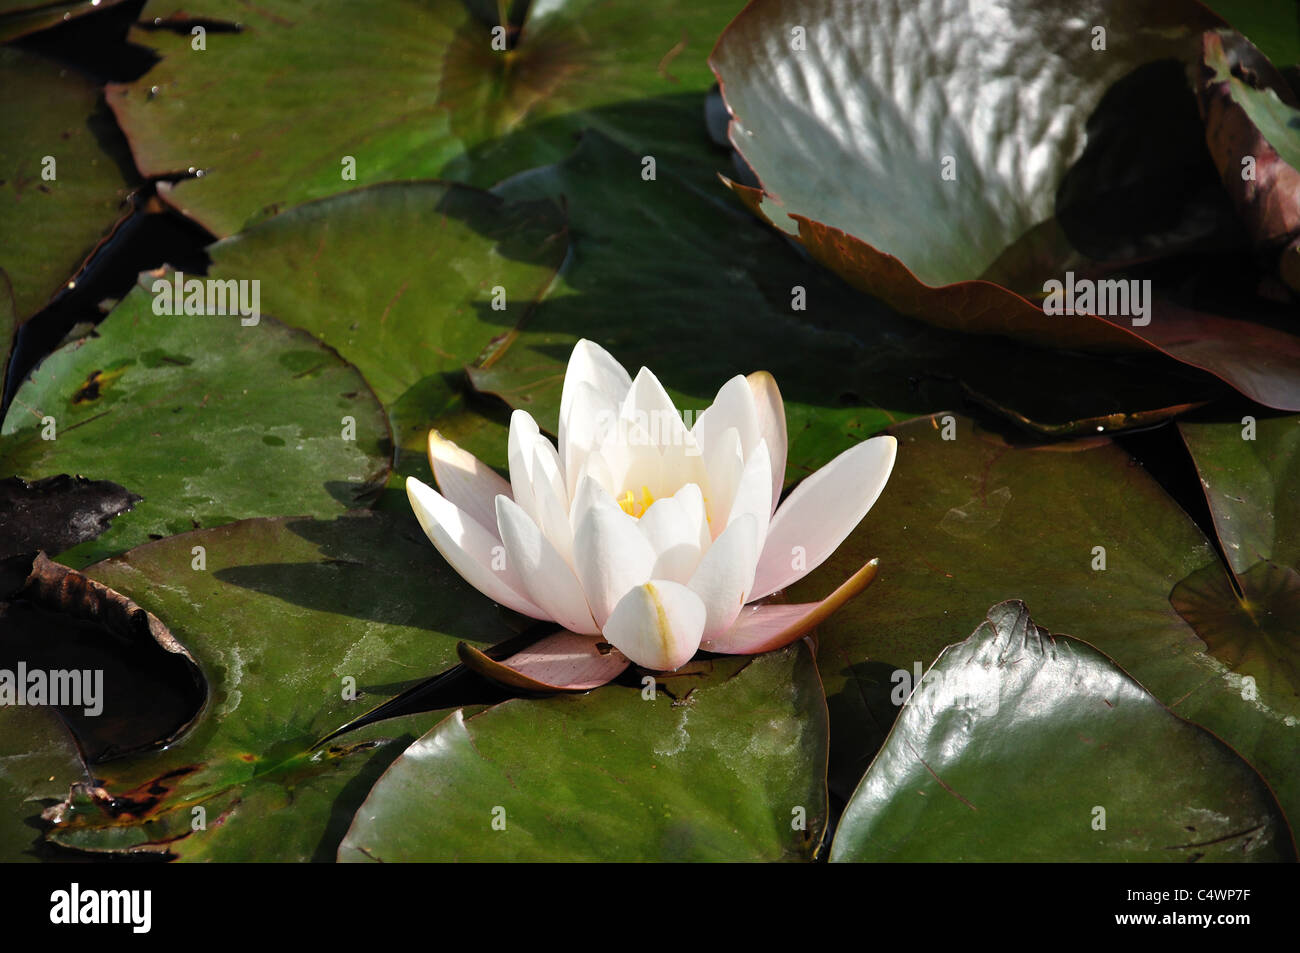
(641, 534)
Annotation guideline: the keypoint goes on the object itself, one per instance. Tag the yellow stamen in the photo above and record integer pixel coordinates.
(634, 507)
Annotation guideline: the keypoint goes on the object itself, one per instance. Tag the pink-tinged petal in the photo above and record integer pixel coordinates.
(563, 662)
(732, 407)
(548, 579)
(821, 512)
(609, 553)
(466, 481)
(771, 626)
(478, 555)
(771, 426)
(657, 625)
(725, 574)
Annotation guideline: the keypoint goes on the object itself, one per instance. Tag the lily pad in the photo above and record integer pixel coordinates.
(64, 182)
(208, 420)
(972, 520)
(1250, 469)
(448, 94)
(37, 759)
(729, 766)
(1251, 474)
(956, 195)
(712, 296)
(409, 282)
(1028, 746)
(298, 626)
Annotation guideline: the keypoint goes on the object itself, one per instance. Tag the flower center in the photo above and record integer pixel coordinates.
(634, 507)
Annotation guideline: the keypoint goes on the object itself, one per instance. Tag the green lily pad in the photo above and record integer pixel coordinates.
(64, 179)
(1250, 469)
(430, 276)
(37, 759)
(970, 521)
(298, 626)
(729, 766)
(208, 420)
(443, 97)
(1256, 633)
(1023, 745)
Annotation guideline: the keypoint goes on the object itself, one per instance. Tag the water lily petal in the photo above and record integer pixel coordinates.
(726, 573)
(754, 492)
(657, 625)
(609, 552)
(771, 426)
(465, 480)
(634, 460)
(592, 364)
(648, 404)
(596, 469)
(732, 407)
(674, 526)
(766, 627)
(585, 422)
(551, 500)
(724, 466)
(548, 579)
(681, 462)
(519, 454)
(821, 512)
(562, 662)
(594, 387)
(471, 549)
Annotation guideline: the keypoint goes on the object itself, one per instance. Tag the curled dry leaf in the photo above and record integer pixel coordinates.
(61, 589)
